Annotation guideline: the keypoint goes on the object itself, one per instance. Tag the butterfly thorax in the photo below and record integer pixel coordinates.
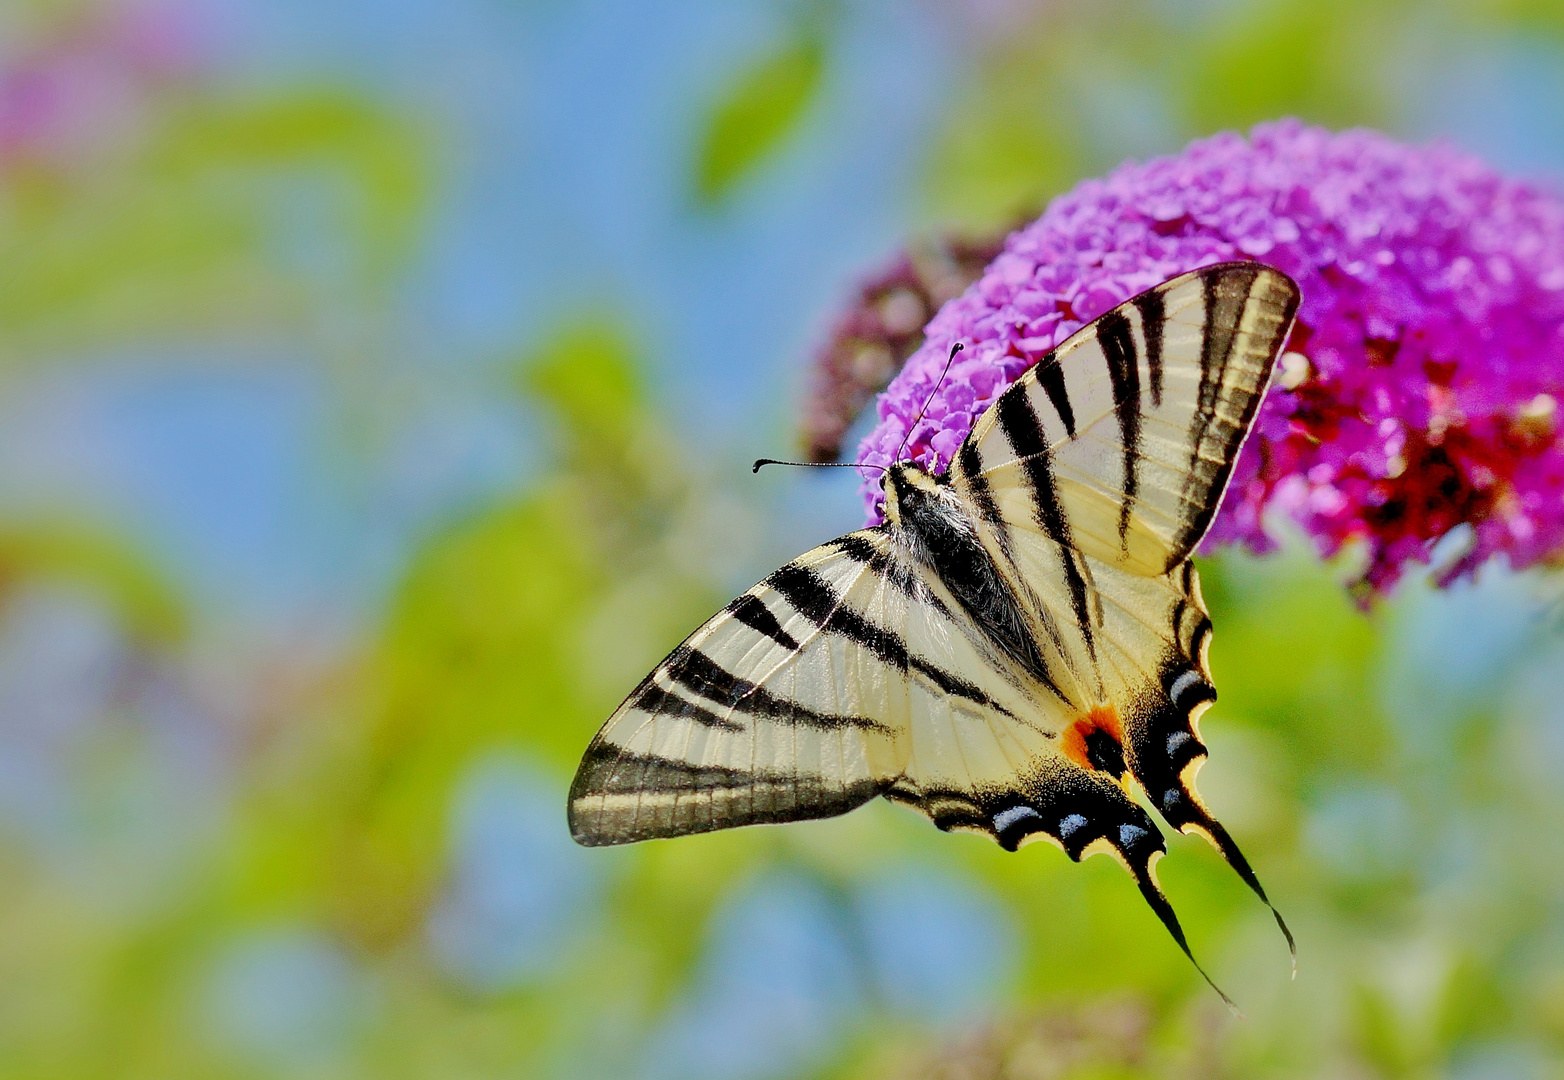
(934, 524)
(900, 481)
(937, 527)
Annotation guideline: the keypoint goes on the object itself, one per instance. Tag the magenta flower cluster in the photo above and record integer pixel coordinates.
(1421, 389)
(83, 79)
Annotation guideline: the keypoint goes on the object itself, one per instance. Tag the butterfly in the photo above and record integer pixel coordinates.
(1017, 648)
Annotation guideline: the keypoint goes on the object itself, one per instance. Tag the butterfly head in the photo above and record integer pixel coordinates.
(908, 488)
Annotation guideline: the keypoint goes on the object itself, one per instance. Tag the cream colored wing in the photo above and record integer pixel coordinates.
(804, 698)
(1141, 415)
(853, 672)
(1091, 517)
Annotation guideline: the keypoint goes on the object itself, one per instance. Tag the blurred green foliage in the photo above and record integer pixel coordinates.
(753, 116)
(185, 230)
(1003, 151)
(486, 641)
(1314, 60)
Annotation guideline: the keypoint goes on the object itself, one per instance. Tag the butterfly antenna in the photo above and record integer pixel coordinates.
(954, 349)
(755, 468)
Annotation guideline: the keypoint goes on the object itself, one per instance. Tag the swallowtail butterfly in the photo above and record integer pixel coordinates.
(1017, 648)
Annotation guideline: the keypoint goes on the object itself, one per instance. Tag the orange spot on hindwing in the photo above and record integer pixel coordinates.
(1096, 741)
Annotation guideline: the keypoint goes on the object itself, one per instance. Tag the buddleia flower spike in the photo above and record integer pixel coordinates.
(1421, 388)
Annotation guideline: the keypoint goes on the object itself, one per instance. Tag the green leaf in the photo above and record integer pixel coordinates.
(755, 114)
(1305, 59)
(147, 605)
(178, 236)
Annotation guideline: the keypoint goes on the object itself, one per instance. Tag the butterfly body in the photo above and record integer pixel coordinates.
(1016, 648)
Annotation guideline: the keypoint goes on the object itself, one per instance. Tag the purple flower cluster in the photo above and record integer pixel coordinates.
(1421, 387)
(876, 334)
(83, 79)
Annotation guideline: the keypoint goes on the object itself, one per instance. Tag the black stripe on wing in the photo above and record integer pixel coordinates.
(1050, 376)
(1226, 295)
(620, 797)
(1018, 420)
(812, 597)
(653, 699)
(698, 673)
(752, 611)
(1153, 314)
(969, 464)
(1117, 340)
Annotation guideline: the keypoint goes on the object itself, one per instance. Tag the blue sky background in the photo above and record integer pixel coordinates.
(565, 131)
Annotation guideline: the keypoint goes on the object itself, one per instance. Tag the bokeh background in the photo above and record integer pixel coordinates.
(379, 385)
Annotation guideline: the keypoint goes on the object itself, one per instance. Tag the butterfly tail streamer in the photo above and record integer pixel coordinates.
(1164, 753)
(1105, 820)
(1188, 814)
(1181, 807)
(1146, 879)
(1220, 839)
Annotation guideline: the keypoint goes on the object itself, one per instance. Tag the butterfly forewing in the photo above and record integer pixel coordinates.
(1143, 412)
(807, 696)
